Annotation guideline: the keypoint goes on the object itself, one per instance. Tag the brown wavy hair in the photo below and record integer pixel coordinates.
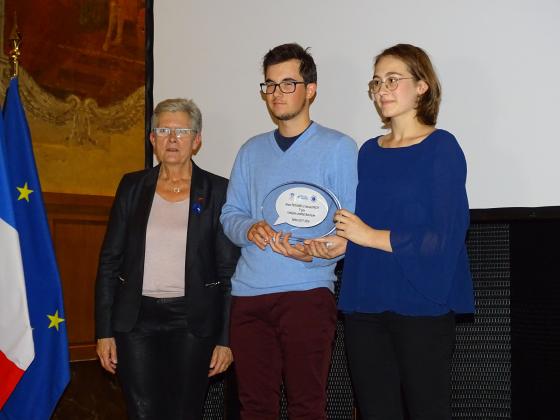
(420, 68)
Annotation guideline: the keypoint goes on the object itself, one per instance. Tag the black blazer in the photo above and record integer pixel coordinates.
(210, 257)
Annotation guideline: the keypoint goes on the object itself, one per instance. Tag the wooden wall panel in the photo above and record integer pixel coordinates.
(78, 224)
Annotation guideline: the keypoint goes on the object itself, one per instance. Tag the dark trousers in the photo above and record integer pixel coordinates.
(285, 336)
(395, 359)
(162, 367)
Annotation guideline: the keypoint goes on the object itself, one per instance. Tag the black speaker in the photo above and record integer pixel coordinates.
(535, 319)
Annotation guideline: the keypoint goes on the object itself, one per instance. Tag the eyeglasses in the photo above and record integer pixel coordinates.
(286, 86)
(179, 132)
(391, 83)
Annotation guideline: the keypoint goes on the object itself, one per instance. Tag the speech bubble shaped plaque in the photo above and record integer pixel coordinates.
(303, 209)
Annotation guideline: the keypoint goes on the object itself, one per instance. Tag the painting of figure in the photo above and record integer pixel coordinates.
(90, 48)
(82, 77)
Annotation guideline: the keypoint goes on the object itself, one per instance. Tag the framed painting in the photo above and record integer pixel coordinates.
(82, 82)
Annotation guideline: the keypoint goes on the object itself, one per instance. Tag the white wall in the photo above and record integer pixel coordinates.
(498, 61)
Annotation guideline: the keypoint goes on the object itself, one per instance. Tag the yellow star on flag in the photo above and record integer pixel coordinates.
(55, 320)
(24, 192)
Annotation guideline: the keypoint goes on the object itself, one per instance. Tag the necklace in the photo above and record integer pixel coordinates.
(175, 186)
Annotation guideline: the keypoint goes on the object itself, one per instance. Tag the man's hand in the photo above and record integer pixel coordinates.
(107, 352)
(260, 234)
(280, 244)
(327, 247)
(221, 359)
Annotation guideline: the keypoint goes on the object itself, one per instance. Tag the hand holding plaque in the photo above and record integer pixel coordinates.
(303, 209)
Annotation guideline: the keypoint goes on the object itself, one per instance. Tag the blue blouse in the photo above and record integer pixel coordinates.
(418, 193)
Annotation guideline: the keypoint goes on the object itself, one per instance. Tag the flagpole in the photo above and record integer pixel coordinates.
(14, 53)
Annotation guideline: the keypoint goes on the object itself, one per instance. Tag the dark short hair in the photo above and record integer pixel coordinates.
(420, 68)
(286, 52)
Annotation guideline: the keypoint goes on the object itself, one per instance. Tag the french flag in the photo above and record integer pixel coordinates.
(16, 338)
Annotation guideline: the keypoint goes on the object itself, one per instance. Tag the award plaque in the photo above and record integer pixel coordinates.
(303, 209)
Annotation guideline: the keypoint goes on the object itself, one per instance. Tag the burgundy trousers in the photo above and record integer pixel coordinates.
(283, 336)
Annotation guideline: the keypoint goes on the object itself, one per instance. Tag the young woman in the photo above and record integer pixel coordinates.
(406, 271)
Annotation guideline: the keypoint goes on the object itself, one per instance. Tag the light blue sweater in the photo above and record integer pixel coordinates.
(320, 156)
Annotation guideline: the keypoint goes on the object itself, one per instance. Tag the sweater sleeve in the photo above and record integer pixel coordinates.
(236, 215)
(428, 254)
(345, 183)
(346, 164)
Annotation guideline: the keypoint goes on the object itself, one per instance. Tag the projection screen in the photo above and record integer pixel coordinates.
(498, 62)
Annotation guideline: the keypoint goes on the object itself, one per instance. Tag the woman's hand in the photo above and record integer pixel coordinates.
(351, 227)
(221, 359)
(107, 352)
(327, 247)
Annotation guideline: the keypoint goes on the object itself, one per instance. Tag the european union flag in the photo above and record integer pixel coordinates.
(42, 384)
(16, 335)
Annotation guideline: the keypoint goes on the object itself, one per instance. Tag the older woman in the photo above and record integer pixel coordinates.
(406, 272)
(163, 285)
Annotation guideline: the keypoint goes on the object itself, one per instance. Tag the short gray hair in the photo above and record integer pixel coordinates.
(179, 105)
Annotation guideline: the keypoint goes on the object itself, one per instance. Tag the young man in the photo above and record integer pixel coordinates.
(283, 314)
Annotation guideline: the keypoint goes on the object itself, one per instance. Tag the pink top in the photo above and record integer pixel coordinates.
(166, 247)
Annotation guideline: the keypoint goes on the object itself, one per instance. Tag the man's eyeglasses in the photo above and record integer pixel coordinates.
(391, 83)
(286, 86)
(179, 132)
